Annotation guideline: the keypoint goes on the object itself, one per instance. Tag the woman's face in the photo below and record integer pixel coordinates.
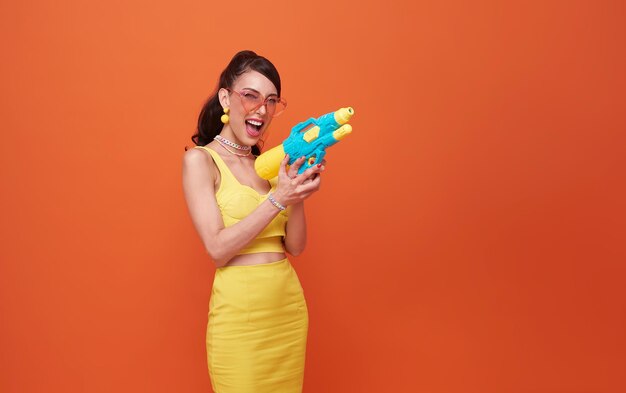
(248, 126)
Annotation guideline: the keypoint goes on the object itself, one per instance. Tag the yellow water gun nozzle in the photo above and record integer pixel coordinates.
(342, 131)
(343, 115)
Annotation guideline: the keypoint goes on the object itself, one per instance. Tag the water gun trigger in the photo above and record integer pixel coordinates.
(316, 158)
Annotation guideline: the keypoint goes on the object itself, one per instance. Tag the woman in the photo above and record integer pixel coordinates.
(258, 318)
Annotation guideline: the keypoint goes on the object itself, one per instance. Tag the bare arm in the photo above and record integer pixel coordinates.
(221, 243)
(199, 173)
(295, 233)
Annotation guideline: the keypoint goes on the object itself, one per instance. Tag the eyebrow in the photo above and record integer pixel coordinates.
(255, 90)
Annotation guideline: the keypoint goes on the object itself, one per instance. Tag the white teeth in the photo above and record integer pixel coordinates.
(255, 123)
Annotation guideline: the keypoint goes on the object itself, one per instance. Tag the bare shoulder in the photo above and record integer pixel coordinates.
(195, 155)
(198, 162)
(197, 158)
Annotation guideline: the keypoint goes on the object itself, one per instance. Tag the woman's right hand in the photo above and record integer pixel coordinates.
(293, 188)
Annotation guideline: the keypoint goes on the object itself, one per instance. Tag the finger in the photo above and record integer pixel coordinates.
(310, 174)
(306, 174)
(308, 188)
(297, 164)
(309, 184)
(293, 170)
(283, 164)
(310, 179)
(313, 170)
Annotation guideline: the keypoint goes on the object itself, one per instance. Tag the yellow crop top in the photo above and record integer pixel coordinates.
(237, 201)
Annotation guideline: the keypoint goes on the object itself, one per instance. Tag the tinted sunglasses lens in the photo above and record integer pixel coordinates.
(278, 108)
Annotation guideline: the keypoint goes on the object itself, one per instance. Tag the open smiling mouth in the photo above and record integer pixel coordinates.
(253, 127)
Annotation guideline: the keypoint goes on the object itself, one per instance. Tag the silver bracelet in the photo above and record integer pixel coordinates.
(270, 197)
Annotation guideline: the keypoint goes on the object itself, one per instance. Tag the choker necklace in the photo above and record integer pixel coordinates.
(225, 141)
(233, 152)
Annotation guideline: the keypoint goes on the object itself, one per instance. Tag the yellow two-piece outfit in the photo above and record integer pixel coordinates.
(258, 317)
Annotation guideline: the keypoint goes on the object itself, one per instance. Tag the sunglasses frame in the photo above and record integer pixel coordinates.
(264, 102)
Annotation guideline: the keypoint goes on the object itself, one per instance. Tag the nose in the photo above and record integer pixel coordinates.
(262, 110)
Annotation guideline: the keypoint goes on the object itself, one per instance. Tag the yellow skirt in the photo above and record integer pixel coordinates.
(257, 329)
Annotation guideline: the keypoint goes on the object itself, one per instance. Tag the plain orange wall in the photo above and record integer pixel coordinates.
(469, 235)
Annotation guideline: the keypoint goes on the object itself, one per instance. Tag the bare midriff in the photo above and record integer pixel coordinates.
(256, 258)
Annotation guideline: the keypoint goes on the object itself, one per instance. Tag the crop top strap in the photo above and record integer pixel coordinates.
(225, 173)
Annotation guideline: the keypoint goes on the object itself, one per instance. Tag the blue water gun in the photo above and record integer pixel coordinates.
(310, 139)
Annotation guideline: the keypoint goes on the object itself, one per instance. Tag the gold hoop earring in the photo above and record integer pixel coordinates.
(225, 118)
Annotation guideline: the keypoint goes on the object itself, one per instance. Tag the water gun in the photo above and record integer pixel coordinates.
(320, 133)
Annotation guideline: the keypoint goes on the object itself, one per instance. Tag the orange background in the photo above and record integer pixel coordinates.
(469, 235)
